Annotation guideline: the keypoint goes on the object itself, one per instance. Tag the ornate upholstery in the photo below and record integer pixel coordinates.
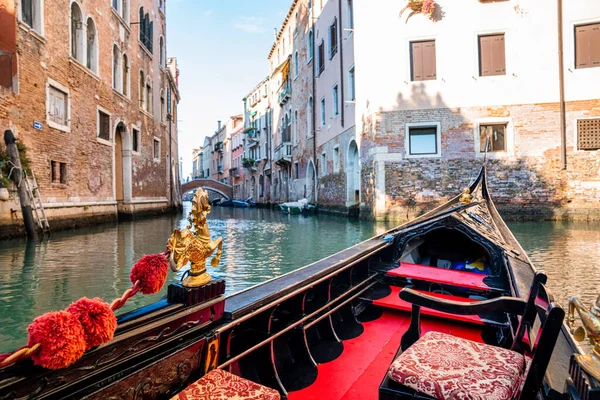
(221, 385)
(450, 368)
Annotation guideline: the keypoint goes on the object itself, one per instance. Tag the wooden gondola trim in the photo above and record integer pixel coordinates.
(297, 291)
(299, 322)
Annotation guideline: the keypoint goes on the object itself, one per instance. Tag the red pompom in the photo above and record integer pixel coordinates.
(97, 319)
(152, 273)
(61, 339)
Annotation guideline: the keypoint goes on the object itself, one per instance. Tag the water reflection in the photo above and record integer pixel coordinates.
(96, 262)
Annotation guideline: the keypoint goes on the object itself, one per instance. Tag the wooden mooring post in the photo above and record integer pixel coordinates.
(17, 176)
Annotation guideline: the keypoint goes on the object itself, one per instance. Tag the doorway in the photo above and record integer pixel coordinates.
(353, 174)
(122, 180)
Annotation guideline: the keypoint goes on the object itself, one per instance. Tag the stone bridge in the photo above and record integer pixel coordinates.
(208, 184)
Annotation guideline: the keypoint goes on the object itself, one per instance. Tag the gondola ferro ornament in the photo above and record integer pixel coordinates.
(591, 327)
(193, 244)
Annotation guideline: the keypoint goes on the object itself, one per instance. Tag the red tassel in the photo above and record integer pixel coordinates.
(152, 273)
(61, 337)
(97, 319)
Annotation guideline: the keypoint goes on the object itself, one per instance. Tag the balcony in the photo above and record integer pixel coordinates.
(220, 169)
(218, 147)
(235, 172)
(283, 153)
(285, 94)
(250, 164)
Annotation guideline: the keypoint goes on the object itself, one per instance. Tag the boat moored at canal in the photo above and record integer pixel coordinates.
(363, 323)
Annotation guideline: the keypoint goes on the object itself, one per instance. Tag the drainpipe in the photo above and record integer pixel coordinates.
(561, 79)
(341, 47)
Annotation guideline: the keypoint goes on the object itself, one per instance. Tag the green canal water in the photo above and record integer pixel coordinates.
(258, 245)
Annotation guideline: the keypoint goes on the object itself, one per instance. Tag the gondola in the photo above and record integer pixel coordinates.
(385, 319)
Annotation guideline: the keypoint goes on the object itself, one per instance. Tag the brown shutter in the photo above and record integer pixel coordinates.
(595, 45)
(485, 59)
(417, 61)
(429, 66)
(498, 55)
(582, 46)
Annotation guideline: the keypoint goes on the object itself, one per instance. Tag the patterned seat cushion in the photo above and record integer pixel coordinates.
(451, 368)
(221, 385)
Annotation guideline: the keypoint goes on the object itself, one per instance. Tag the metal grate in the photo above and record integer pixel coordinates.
(588, 134)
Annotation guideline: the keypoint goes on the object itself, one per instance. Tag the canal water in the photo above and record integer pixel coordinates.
(258, 245)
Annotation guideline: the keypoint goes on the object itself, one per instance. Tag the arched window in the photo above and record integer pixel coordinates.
(142, 91)
(76, 33)
(162, 106)
(311, 45)
(309, 117)
(149, 98)
(92, 46)
(125, 74)
(162, 52)
(116, 68)
(296, 68)
(295, 128)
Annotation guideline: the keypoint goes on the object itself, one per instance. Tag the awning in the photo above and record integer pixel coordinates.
(284, 68)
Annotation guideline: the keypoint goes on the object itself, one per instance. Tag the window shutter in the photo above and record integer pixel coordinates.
(582, 46)
(417, 61)
(595, 45)
(429, 62)
(142, 26)
(485, 59)
(329, 41)
(498, 55)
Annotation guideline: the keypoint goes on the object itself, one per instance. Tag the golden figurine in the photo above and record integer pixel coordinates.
(591, 327)
(193, 244)
(465, 197)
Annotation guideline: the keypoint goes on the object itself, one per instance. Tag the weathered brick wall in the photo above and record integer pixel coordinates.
(90, 163)
(526, 182)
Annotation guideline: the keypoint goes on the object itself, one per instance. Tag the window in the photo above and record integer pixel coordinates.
(116, 68)
(350, 13)
(135, 139)
(336, 106)
(58, 172)
(491, 55)
(309, 117)
(323, 164)
(333, 39)
(141, 91)
(76, 33)
(295, 128)
(323, 112)
(351, 85)
(336, 159)
(423, 140)
(31, 14)
(422, 61)
(146, 30)
(162, 52)
(296, 64)
(168, 101)
(587, 46)
(496, 134)
(321, 56)
(266, 150)
(103, 126)
(156, 149)
(296, 174)
(297, 23)
(92, 48)
(58, 106)
(125, 75)
(311, 45)
(162, 106)
(588, 134)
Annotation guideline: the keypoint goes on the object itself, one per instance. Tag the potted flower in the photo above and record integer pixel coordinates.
(425, 7)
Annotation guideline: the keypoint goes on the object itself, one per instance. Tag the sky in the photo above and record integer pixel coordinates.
(221, 48)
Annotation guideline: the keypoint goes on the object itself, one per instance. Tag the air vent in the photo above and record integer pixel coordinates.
(588, 134)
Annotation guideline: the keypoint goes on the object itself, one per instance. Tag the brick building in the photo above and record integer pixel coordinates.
(436, 90)
(94, 99)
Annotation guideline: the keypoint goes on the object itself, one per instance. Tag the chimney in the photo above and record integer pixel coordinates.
(219, 125)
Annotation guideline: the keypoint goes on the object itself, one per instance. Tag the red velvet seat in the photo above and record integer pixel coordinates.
(448, 368)
(221, 385)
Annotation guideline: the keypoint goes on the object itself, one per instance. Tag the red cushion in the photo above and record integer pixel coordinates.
(451, 368)
(221, 385)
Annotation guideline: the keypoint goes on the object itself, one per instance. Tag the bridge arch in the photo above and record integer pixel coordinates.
(208, 184)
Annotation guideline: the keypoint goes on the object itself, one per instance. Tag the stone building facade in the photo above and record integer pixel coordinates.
(486, 71)
(94, 100)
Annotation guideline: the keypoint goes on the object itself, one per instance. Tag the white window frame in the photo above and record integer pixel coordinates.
(64, 89)
(296, 65)
(507, 56)
(323, 112)
(137, 128)
(310, 49)
(336, 159)
(154, 156)
(352, 84)
(335, 101)
(309, 116)
(108, 142)
(409, 125)
(38, 11)
(510, 135)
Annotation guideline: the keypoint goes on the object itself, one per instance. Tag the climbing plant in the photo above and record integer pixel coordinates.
(6, 166)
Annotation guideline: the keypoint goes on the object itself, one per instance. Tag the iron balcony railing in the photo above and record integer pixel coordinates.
(285, 94)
